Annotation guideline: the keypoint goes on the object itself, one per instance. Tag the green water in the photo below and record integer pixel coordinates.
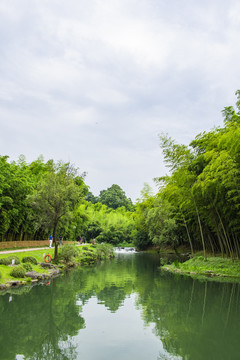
(125, 309)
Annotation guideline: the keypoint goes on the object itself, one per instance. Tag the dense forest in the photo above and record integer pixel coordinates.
(197, 205)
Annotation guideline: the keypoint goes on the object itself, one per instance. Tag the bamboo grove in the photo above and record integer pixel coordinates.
(199, 202)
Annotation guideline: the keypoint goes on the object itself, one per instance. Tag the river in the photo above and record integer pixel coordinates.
(123, 309)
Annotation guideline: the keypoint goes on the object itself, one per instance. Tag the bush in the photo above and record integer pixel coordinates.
(5, 261)
(8, 260)
(16, 258)
(29, 259)
(27, 266)
(68, 252)
(18, 272)
(104, 251)
(141, 240)
(176, 263)
(88, 258)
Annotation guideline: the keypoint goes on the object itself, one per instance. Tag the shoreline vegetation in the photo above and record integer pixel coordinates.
(210, 268)
(28, 268)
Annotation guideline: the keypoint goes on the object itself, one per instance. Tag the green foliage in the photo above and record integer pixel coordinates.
(18, 272)
(212, 266)
(93, 230)
(114, 197)
(104, 251)
(35, 198)
(141, 240)
(57, 195)
(29, 259)
(27, 266)
(161, 223)
(67, 253)
(203, 191)
(8, 260)
(176, 263)
(106, 224)
(5, 261)
(91, 198)
(15, 258)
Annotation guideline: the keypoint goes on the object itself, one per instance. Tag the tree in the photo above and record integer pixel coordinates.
(161, 223)
(56, 196)
(114, 197)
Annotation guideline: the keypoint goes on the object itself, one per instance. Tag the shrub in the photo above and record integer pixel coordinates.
(27, 266)
(68, 252)
(88, 257)
(16, 258)
(5, 261)
(18, 272)
(29, 259)
(8, 260)
(104, 251)
(176, 263)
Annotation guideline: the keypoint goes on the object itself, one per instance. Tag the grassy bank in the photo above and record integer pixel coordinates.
(69, 256)
(213, 267)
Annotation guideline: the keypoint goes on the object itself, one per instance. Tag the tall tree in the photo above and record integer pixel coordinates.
(114, 197)
(59, 193)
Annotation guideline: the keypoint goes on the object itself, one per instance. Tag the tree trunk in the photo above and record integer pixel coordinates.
(189, 238)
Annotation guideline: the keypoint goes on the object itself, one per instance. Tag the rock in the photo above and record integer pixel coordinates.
(14, 283)
(47, 265)
(35, 275)
(55, 272)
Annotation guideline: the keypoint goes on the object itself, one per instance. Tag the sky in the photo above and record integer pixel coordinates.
(94, 82)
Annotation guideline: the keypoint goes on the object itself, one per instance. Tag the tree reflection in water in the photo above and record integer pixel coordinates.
(193, 319)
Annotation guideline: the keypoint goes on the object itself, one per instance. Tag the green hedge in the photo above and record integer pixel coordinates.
(18, 272)
(29, 259)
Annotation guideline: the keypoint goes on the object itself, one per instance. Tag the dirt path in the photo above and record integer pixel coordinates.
(22, 250)
(30, 249)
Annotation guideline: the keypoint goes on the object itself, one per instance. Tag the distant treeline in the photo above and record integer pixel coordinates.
(40, 198)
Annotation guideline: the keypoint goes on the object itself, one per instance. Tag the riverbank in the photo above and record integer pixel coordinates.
(215, 268)
(21, 268)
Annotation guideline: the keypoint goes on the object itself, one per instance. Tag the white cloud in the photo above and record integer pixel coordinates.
(95, 82)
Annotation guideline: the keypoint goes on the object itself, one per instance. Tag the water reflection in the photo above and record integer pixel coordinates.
(38, 322)
(126, 309)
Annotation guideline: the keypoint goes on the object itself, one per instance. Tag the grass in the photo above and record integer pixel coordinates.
(38, 254)
(86, 254)
(212, 266)
(125, 244)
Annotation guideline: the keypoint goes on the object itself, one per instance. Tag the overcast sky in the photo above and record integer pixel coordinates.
(94, 82)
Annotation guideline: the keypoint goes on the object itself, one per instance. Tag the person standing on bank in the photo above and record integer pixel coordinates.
(50, 240)
(60, 240)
